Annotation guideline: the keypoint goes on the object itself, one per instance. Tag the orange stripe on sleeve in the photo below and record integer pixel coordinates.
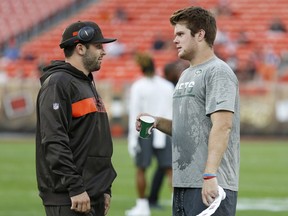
(83, 107)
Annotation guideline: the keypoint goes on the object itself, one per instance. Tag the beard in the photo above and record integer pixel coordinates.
(91, 62)
(186, 55)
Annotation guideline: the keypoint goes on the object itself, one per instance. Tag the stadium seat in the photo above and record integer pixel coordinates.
(146, 18)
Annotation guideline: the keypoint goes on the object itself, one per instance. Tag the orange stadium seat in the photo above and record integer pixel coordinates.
(26, 14)
(150, 16)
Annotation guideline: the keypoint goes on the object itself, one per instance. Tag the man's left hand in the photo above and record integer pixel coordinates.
(209, 191)
(107, 200)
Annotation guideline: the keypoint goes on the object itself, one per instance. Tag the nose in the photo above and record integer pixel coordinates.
(175, 40)
(103, 52)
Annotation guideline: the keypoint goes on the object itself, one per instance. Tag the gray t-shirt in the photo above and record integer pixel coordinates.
(202, 90)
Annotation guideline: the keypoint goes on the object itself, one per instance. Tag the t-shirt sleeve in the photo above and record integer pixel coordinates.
(221, 91)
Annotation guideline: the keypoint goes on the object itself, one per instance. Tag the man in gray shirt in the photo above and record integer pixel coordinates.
(205, 126)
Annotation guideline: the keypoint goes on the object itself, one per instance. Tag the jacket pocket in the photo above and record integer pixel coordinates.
(98, 175)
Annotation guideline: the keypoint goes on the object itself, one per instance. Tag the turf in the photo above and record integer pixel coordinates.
(263, 175)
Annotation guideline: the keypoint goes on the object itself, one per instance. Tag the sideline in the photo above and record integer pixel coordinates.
(264, 204)
(267, 204)
(16, 135)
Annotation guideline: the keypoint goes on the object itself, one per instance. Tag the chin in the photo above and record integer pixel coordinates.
(182, 57)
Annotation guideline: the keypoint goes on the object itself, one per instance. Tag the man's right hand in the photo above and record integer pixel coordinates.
(138, 122)
(81, 203)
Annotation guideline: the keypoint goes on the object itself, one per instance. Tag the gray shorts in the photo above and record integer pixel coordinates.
(144, 157)
(188, 202)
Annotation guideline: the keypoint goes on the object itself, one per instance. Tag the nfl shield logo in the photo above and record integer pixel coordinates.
(55, 106)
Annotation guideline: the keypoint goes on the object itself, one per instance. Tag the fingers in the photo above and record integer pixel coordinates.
(138, 123)
(81, 203)
(209, 195)
(209, 191)
(107, 203)
(207, 200)
(81, 207)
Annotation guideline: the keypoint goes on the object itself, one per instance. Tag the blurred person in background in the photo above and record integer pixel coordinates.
(223, 8)
(205, 127)
(115, 49)
(277, 26)
(283, 64)
(158, 43)
(120, 16)
(172, 72)
(11, 51)
(152, 94)
(73, 139)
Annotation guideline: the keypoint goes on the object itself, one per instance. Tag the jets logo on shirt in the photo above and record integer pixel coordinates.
(184, 89)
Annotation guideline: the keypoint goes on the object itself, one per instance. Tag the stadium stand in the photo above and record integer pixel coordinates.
(18, 16)
(145, 18)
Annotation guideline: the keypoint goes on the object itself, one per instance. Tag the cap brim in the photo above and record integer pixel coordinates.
(104, 40)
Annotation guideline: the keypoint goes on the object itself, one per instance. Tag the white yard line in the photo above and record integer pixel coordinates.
(266, 204)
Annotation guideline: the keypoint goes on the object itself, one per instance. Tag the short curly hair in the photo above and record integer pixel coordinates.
(196, 18)
(146, 63)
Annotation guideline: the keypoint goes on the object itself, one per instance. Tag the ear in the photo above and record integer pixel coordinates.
(201, 35)
(80, 49)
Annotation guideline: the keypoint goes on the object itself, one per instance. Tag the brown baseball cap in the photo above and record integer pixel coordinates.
(85, 32)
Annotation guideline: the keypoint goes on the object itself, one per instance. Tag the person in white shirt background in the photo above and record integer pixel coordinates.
(152, 94)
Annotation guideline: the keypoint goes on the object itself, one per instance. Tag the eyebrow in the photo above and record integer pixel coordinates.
(179, 32)
(98, 45)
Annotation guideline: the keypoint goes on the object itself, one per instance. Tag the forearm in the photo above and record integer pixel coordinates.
(164, 125)
(60, 160)
(217, 145)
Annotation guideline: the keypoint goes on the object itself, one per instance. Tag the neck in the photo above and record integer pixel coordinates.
(77, 64)
(202, 56)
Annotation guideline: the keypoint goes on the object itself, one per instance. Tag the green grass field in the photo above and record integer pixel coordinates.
(263, 182)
